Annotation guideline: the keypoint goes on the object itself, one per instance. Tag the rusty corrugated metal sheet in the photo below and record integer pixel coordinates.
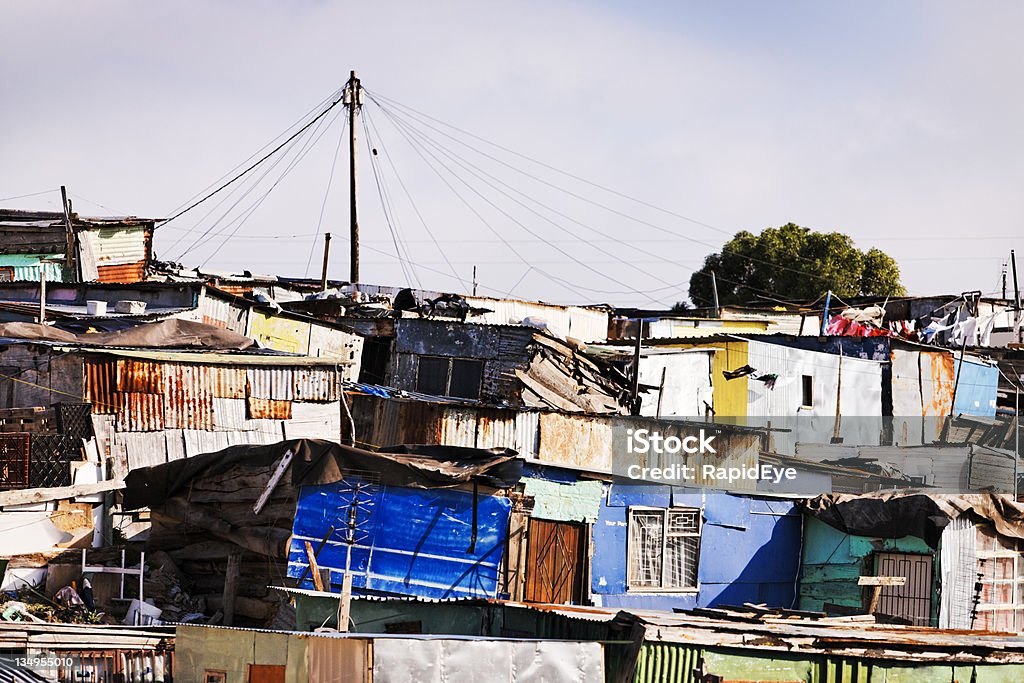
(228, 382)
(122, 245)
(938, 375)
(140, 376)
(141, 412)
(271, 383)
(577, 441)
(122, 273)
(458, 427)
(268, 408)
(188, 401)
(237, 290)
(101, 384)
(315, 384)
(221, 313)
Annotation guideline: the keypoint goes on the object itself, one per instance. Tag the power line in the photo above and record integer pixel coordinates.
(463, 163)
(710, 245)
(408, 196)
(327, 192)
(254, 165)
(519, 223)
(470, 207)
(311, 141)
(31, 194)
(387, 208)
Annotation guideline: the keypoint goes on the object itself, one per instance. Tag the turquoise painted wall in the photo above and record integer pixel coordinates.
(832, 561)
(27, 266)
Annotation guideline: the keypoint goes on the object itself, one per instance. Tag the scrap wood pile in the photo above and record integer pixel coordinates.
(196, 531)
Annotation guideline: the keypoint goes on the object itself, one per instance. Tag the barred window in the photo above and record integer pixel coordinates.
(664, 546)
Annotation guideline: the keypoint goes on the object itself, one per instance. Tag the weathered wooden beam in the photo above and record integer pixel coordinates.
(231, 587)
(314, 568)
(42, 495)
(279, 471)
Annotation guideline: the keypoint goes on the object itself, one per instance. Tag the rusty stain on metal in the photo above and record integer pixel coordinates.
(122, 273)
(101, 385)
(141, 412)
(269, 409)
(139, 376)
(315, 384)
(941, 374)
(228, 382)
(189, 398)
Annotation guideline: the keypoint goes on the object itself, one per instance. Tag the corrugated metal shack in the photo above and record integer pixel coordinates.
(215, 653)
(501, 364)
(586, 442)
(154, 406)
(583, 323)
(753, 644)
(70, 653)
(73, 248)
(961, 557)
(270, 327)
(414, 522)
(661, 547)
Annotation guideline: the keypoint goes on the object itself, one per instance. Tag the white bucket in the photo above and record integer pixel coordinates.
(96, 307)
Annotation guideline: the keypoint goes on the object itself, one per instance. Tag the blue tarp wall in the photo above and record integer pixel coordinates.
(977, 388)
(409, 541)
(749, 549)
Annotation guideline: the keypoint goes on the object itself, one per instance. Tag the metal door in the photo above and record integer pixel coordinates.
(913, 600)
(555, 553)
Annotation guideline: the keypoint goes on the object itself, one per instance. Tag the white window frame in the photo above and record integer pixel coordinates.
(665, 513)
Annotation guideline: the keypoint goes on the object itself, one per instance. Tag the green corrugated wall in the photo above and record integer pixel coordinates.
(676, 663)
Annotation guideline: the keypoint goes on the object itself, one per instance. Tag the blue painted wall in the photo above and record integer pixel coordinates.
(976, 388)
(409, 541)
(749, 552)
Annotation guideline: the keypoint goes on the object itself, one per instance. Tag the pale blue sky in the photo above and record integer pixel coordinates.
(895, 122)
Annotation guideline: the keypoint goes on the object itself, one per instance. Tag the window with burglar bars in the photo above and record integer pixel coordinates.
(663, 548)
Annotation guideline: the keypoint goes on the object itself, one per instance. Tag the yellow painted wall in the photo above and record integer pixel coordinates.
(730, 395)
(280, 334)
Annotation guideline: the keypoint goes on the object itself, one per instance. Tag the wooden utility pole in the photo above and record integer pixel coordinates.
(714, 294)
(353, 100)
(327, 258)
(69, 256)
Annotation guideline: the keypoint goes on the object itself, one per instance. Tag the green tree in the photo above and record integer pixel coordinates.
(793, 263)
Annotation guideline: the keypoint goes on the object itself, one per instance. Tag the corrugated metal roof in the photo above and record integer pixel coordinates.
(30, 272)
(212, 358)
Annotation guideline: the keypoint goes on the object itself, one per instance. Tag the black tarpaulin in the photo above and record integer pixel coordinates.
(323, 462)
(895, 515)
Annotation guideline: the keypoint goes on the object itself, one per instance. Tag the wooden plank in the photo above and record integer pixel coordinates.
(314, 568)
(279, 471)
(231, 587)
(26, 496)
(882, 581)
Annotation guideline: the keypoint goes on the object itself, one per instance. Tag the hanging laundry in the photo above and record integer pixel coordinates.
(769, 379)
(741, 371)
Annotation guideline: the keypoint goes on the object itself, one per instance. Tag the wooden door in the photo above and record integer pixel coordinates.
(555, 562)
(266, 673)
